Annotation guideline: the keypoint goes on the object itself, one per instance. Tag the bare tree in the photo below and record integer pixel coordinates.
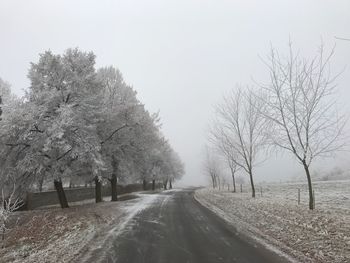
(233, 169)
(211, 167)
(240, 130)
(9, 204)
(226, 151)
(300, 103)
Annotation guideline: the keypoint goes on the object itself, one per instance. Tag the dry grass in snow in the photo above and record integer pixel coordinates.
(322, 235)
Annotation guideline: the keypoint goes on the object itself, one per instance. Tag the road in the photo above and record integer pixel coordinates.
(177, 229)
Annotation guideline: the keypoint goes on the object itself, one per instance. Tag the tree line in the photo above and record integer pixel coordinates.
(296, 111)
(76, 121)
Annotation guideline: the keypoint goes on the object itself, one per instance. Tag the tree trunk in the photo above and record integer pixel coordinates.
(165, 184)
(115, 166)
(40, 184)
(144, 184)
(61, 194)
(252, 182)
(153, 185)
(114, 187)
(233, 181)
(309, 183)
(98, 190)
(170, 185)
(3, 230)
(0, 108)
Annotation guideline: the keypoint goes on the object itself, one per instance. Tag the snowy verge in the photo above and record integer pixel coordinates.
(252, 232)
(307, 236)
(63, 235)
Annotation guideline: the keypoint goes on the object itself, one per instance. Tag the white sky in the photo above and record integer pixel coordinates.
(180, 56)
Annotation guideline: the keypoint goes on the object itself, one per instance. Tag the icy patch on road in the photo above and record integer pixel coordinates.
(132, 210)
(174, 190)
(104, 242)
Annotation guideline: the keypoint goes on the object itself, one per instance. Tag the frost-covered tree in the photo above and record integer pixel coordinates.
(56, 125)
(76, 121)
(166, 164)
(66, 93)
(13, 119)
(122, 114)
(170, 166)
(14, 146)
(4, 92)
(132, 144)
(146, 138)
(177, 168)
(7, 99)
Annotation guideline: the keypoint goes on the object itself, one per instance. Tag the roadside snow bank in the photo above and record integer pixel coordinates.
(322, 235)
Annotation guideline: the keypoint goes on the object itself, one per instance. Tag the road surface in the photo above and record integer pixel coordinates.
(177, 229)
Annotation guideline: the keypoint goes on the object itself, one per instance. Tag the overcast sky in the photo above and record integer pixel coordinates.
(180, 55)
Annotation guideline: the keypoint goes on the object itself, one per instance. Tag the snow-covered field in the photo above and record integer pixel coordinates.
(56, 235)
(276, 219)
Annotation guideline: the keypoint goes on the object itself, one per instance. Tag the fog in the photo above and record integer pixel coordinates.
(181, 56)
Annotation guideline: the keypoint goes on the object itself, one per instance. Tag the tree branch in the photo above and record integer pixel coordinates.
(113, 133)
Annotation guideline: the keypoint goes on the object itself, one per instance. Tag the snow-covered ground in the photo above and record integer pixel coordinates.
(56, 235)
(275, 218)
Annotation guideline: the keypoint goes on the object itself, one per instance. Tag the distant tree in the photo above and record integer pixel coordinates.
(224, 148)
(301, 107)
(177, 168)
(7, 99)
(212, 167)
(240, 180)
(241, 130)
(159, 163)
(145, 144)
(171, 167)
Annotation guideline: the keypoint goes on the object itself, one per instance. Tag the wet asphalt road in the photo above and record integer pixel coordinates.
(176, 229)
